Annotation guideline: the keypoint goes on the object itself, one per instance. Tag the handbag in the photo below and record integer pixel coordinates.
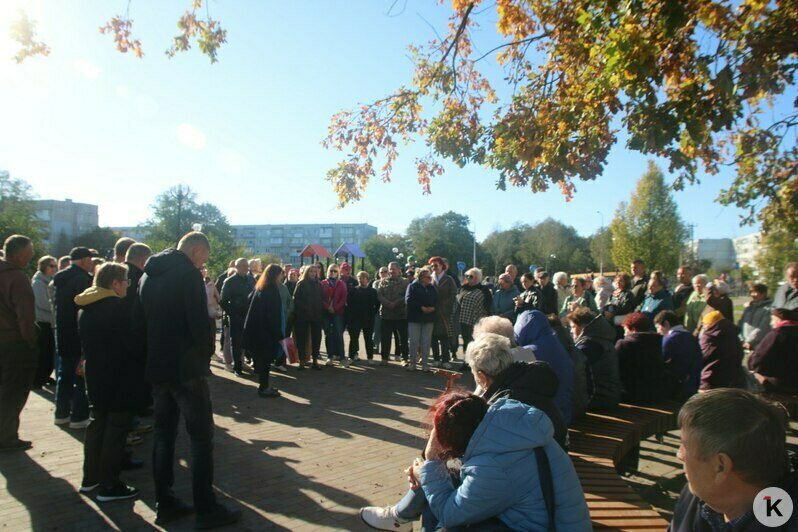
(290, 350)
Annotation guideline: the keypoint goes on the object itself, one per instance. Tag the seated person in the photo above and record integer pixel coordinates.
(579, 399)
(640, 361)
(733, 446)
(775, 359)
(532, 330)
(681, 354)
(722, 352)
(499, 376)
(595, 338)
(498, 482)
(503, 327)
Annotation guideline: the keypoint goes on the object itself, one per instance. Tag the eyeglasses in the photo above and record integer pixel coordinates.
(469, 276)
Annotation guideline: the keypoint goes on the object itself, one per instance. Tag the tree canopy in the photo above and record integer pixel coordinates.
(446, 235)
(100, 238)
(176, 212)
(649, 226)
(18, 213)
(689, 81)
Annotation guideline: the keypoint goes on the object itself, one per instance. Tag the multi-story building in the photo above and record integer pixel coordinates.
(745, 249)
(728, 253)
(65, 220)
(287, 241)
(137, 234)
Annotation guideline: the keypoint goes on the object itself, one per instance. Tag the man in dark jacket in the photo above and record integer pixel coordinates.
(135, 259)
(733, 446)
(18, 356)
(178, 356)
(114, 379)
(786, 296)
(549, 302)
(681, 354)
(639, 281)
(235, 302)
(71, 405)
(362, 306)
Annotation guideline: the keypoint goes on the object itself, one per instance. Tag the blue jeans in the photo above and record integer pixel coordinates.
(414, 505)
(334, 336)
(70, 391)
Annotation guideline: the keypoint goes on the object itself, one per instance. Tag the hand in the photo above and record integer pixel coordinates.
(761, 379)
(518, 302)
(413, 472)
(433, 450)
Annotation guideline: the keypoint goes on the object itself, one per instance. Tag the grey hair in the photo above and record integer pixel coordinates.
(137, 252)
(506, 277)
(476, 272)
(394, 263)
(722, 287)
(495, 325)
(742, 425)
(558, 276)
(700, 277)
(192, 240)
(600, 282)
(490, 354)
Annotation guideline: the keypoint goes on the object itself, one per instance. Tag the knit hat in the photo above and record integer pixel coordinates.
(711, 318)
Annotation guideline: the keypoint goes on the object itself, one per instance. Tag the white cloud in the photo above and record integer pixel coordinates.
(191, 137)
(232, 162)
(86, 69)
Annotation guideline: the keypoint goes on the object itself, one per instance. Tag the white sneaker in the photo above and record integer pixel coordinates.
(330, 362)
(383, 519)
(80, 424)
(346, 362)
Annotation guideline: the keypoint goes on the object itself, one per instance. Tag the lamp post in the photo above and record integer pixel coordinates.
(601, 248)
(553, 257)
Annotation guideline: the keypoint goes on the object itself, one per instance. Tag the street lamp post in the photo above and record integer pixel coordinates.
(601, 248)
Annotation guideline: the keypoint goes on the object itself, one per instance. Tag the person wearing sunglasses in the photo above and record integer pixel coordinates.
(472, 303)
(48, 266)
(334, 292)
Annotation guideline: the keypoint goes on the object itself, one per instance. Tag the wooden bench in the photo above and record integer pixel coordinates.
(599, 443)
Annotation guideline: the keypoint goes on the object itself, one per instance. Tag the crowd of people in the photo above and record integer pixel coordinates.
(134, 335)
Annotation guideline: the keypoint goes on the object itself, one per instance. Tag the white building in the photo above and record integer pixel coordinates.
(65, 220)
(745, 249)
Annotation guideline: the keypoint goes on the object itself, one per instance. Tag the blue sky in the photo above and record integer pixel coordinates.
(97, 126)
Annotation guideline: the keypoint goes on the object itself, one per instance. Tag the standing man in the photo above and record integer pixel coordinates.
(44, 319)
(255, 268)
(639, 281)
(121, 247)
(18, 358)
(755, 322)
(135, 258)
(786, 296)
(683, 290)
(549, 302)
(391, 293)
(512, 271)
(71, 404)
(658, 297)
(235, 302)
(178, 355)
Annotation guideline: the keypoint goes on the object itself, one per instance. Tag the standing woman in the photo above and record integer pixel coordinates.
(334, 292)
(264, 326)
(44, 319)
(444, 328)
(472, 304)
(422, 300)
(215, 311)
(308, 305)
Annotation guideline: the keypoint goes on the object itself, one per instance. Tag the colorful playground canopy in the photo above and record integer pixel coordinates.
(316, 250)
(347, 249)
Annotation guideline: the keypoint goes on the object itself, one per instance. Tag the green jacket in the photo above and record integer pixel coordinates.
(693, 310)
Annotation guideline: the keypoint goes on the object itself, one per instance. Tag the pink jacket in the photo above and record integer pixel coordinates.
(334, 296)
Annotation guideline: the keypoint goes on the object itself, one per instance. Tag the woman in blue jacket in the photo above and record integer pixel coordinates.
(422, 300)
(498, 481)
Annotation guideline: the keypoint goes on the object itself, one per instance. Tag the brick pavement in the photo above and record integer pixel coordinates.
(338, 439)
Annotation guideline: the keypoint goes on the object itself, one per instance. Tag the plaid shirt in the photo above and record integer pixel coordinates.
(718, 523)
(471, 307)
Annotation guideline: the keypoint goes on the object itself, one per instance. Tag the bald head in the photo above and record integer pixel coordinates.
(242, 267)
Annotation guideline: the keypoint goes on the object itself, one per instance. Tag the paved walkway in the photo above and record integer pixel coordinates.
(338, 439)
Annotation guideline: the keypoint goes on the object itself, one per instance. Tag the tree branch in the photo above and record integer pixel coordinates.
(514, 43)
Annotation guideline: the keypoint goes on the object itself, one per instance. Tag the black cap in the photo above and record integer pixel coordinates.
(81, 253)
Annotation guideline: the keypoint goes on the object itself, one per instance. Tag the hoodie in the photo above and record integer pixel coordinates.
(534, 384)
(603, 376)
(687, 515)
(17, 306)
(175, 308)
(499, 476)
(532, 330)
(755, 322)
(68, 283)
(114, 368)
(44, 307)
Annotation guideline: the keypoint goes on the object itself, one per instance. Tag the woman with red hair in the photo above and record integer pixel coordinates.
(496, 466)
(640, 361)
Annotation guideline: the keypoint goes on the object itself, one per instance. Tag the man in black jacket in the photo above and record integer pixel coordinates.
(71, 405)
(734, 444)
(235, 302)
(175, 307)
(135, 259)
(549, 302)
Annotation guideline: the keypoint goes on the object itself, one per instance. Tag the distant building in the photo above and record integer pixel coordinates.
(727, 253)
(287, 241)
(65, 220)
(745, 249)
(137, 234)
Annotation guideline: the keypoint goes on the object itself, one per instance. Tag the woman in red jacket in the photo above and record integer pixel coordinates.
(334, 293)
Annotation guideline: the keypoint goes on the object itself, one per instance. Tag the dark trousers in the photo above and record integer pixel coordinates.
(440, 348)
(389, 327)
(70, 392)
(16, 378)
(46, 353)
(305, 330)
(236, 340)
(355, 328)
(467, 331)
(193, 399)
(104, 447)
